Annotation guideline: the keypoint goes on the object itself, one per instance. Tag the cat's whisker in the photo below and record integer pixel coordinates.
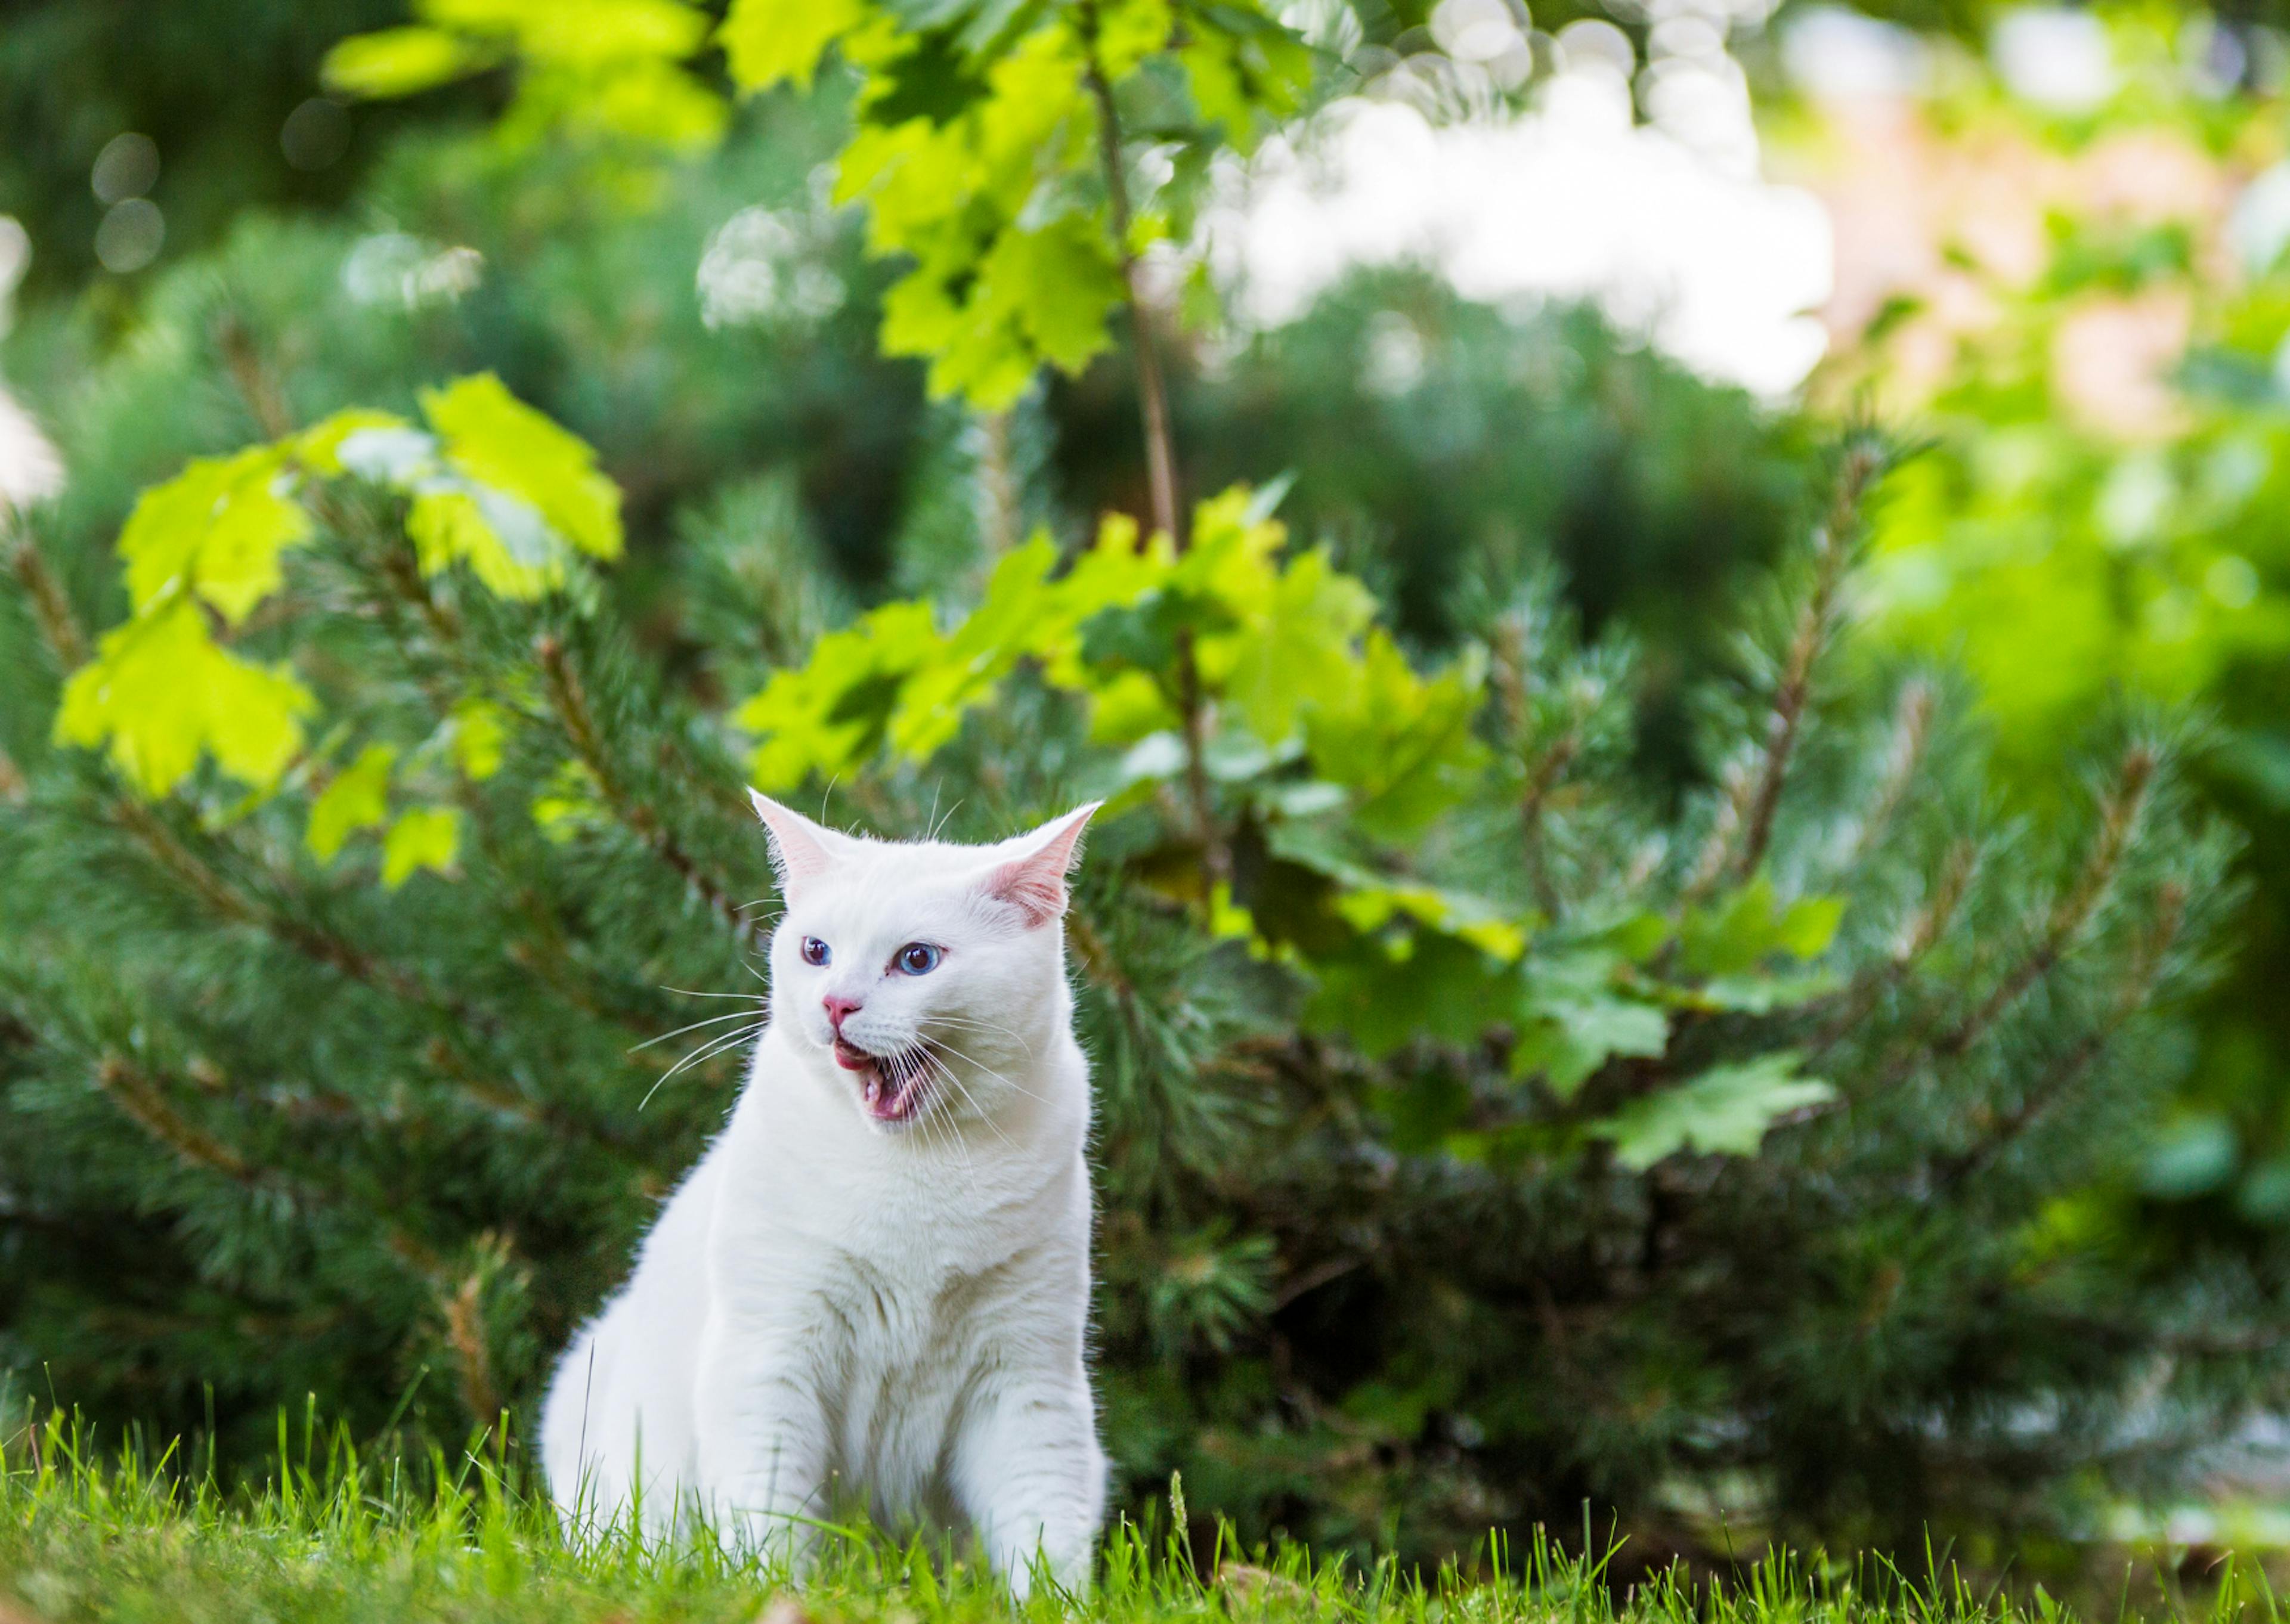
(985, 1025)
(935, 1117)
(714, 1046)
(953, 1134)
(949, 1072)
(707, 1052)
(694, 992)
(968, 1060)
(712, 1020)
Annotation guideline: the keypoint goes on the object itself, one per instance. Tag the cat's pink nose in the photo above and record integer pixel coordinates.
(837, 1008)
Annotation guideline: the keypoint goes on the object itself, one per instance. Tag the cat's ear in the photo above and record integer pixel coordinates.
(1031, 874)
(801, 850)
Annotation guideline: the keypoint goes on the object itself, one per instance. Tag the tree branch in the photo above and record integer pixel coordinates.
(2118, 817)
(1160, 455)
(51, 609)
(2075, 1064)
(570, 701)
(1863, 462)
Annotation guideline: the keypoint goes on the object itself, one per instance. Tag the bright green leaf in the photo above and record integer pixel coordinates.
(498, 440)
(392, 62)
(1736, 933)
(480, 728)
(319, 447)
(161, 692)
(767, 40)
(358, 798)
(217, 529)
(1810, 925)
(422, 837)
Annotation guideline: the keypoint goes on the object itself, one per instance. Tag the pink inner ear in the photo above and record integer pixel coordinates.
(1035, 890)
(798, 850)
(1035, 884)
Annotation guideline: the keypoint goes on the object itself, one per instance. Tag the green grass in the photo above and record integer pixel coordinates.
(332, 1536)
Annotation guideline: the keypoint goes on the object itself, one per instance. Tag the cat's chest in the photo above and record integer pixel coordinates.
(908, 1313)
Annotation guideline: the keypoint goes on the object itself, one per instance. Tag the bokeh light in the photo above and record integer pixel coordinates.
(315, 134)
(127, 167)
(130, 236)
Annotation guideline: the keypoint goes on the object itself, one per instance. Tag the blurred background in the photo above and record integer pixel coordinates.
(1575, 285)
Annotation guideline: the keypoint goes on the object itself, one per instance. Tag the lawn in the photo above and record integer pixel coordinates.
(336, 1537)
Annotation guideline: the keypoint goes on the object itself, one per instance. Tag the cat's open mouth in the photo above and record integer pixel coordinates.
(890, 1085)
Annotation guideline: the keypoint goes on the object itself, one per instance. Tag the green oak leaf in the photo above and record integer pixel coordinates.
(1723, 1111)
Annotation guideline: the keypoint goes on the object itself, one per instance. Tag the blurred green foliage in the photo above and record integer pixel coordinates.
(1565, 1031)
(2102, 512)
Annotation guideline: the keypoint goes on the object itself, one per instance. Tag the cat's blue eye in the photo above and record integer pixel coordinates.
(917, 958)
(815, 951)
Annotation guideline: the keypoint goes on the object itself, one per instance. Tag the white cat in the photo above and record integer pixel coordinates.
(875, 1285)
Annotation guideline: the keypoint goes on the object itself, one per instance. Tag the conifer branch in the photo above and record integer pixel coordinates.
(2118, 818)
(142, 1102)
(51, 609)
(257, 388)
(1913, 720)
(463, 1309)
(61, 629)
(1097, 960)
(570, 701)
(232, 903)
(2070, 1068)
(1725, 825)
(1832, 546)
(325, 947)
(398, 569)
(1926, 927)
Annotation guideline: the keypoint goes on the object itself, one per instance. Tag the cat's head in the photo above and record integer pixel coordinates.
(933, 976)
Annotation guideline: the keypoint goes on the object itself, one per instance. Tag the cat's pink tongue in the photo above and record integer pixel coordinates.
(884, 1102)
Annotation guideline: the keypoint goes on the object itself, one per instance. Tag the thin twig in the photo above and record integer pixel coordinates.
(997, 484)
(1160, 455)
(463, 1310)
(1926, 927)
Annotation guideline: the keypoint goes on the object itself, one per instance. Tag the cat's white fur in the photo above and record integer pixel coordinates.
(837, 1308)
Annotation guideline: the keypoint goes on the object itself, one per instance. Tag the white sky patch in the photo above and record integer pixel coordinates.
(2054, 58)
(1834, 55)
(1666, 225)
(30, 471)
